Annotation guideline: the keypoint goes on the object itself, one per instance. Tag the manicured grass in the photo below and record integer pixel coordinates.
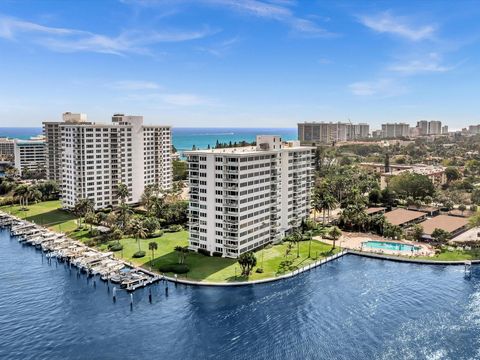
(455, 255)
(47, 213)
(217, 269)
(202, 268)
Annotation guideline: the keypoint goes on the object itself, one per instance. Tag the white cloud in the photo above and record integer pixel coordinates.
(277, 10)
(428, 64)
(72, 40)
(397, 25)
(383, 87)
(134, 85)
(274, 10)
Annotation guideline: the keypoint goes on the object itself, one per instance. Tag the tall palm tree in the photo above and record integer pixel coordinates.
(122, 192)
(124, 214)
(20, 193)
(152, 246)
(139, 231)
(83, 207)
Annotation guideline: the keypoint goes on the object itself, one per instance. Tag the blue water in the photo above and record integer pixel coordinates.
(390, 246)
(352, 308)
(184, 138)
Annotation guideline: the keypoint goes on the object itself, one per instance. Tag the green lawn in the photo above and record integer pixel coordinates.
(47, 213)
(217, 269)
(455, 255)
(202, 268)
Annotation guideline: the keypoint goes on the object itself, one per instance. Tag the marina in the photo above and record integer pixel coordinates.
(87, 260)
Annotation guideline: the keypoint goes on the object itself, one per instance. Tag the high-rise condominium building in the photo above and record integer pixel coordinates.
(30, 155)
(245, 197)
(445, 130)
(394, 130)
(429, 127)
(326, 133)
(474, 129)
(7, 149)
(52, 133)
(97, 157)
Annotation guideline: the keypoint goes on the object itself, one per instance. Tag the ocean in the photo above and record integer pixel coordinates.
(185, 138)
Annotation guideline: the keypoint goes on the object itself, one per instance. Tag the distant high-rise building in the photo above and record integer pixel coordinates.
(7, 149)
(30, 155)
(429, 127)
(395, 130)
(474, 129)
(445, 129)
(326, 133)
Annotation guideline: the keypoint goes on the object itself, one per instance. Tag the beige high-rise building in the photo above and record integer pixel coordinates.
(395, 130)
(243, 198)
(326, 133)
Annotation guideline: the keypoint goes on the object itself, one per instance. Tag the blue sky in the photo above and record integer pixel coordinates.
(239, 63)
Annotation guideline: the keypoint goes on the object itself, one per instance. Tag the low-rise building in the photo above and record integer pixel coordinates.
(404, 218)
(452, 224)
(243, 198)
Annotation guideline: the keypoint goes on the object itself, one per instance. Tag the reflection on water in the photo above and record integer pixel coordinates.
(354, 308)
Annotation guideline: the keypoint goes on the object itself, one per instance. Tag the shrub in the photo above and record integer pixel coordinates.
(115, 247)
(174, 268)
(175, 228)
(139, 254)
(259, 270)
(217, 254)
(90, 242)
(94, 232)
(204, 252)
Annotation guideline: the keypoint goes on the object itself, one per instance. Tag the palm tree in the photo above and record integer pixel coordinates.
(152, 246)
(335, 234)
(122, 192)
(83, 207)
(247, 261)
(138, 231)
(20, 193)
(125, 212)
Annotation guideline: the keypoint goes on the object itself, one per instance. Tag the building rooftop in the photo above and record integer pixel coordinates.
(444, 222)
(403, 216)
(374, 210)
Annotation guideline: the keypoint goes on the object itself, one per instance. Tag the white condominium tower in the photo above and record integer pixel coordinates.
(245, 197)
(97, 157)
(395, 130)
(326, 133)
(52, 133)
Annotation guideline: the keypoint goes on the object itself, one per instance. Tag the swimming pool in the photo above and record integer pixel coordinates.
(390, 246)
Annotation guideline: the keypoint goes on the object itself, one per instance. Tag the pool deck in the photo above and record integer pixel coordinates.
(353, 241)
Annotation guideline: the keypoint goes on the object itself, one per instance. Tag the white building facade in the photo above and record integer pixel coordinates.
(246, 197)
(97, 157)
(329, 132)
(394, 130)
(30, 155)
(52, 134)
